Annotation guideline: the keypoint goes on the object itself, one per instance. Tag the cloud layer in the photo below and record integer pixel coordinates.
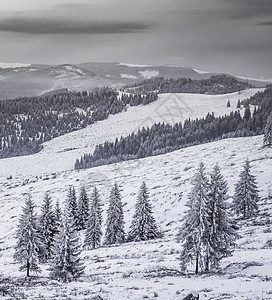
(232, 36)
(67, 26)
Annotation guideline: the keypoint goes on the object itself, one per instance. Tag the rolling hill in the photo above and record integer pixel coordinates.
(144, 270)
(24, 80)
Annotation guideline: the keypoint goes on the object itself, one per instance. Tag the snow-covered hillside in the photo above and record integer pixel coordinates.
(144, 270)
(60, 153)
(151, 269)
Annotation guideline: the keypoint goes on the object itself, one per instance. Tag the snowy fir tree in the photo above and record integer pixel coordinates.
(221, 232)
(194, 233)
(72, 203)
(143, 226)
(246, 193)
(82, 209)
(267, 141)
(66, 265)
(28, 243)
(115, 232)
(57, 213)
(93, 232)
(47, 227)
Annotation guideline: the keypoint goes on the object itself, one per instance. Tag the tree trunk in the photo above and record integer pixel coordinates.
(27, 268)
(196, 269)
(207, 265)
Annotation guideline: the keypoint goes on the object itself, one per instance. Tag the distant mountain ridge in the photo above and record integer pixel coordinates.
(23, 80)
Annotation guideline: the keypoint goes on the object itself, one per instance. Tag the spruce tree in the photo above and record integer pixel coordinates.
(93, 232)
(267, 141)
(57, 212)
(143, 226)
(28, 243)
(66, 264)
(47, 228)
(82, 209)
(221, 232)
(246, 193)
(72, 203)
(228, 103)
(194, 233)
(115, 232)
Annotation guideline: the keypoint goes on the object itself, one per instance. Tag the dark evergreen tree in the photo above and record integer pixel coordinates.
(66, 264)
(228, 103)
(143, 226)
(246, 194)
(221, 232)
(115, 232)
(194, 233)
(47, 228)
(28, 243)
(238, 104)
(93, 232)
(268, 132)
(82, 209)
(247, 113)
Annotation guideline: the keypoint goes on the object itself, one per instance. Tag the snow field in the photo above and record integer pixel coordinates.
(151, 269)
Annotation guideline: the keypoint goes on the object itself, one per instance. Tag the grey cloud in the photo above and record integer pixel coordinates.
(269, 23)
(248, 8)
(73, 5)
(49, 26)
(235, 9)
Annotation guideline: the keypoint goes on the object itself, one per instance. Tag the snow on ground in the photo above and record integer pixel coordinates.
(60, 153)
(149, 270)
(134, 65)
(129, 76)
(200, 71)
(144, 270)
(147, 74)
(13, 65)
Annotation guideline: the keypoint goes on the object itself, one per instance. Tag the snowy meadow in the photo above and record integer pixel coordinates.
(145, 269)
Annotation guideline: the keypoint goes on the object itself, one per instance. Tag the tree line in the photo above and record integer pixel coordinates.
(206, 235)
(162, 138)
(217, 84)
(25, 123)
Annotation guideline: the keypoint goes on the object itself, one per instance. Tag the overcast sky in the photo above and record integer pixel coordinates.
(233, 36)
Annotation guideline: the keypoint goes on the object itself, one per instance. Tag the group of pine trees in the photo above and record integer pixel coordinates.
(217, 84)
(208, 232)
(163, 138)
(54, 236)
(25, 123)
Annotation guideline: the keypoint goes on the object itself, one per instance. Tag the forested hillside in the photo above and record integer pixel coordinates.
(163, 138)
(25, 123)
(218, 84)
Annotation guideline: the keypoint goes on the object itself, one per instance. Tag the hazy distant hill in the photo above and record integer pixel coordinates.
(31, 80)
